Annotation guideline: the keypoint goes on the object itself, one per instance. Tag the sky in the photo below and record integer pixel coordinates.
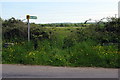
(58, 11)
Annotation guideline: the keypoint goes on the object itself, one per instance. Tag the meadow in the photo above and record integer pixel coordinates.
(90, 46)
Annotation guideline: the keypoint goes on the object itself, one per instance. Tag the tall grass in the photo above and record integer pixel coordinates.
(51, 53)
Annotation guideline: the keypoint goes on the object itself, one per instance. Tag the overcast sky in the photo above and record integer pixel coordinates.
(57, 11)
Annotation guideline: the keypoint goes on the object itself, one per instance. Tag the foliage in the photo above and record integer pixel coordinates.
(81, 54)
(63, 25)
(109, 33)
(58, 45)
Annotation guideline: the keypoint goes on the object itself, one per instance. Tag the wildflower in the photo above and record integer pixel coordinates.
(31, 53)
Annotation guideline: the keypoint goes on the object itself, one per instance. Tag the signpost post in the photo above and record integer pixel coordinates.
(29, 17)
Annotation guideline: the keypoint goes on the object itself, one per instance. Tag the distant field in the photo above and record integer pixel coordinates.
(64, 31)
(66, 27)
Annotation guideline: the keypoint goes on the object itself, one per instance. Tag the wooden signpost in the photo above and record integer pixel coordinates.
(28, 17)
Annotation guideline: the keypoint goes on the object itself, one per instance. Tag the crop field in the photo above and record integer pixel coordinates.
(91, 46)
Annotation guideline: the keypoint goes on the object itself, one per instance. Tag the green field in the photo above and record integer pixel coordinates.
(63, 31)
